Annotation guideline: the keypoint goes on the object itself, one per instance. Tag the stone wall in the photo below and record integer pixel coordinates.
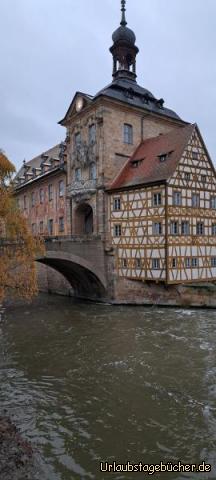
(51, 281)
(150, 293)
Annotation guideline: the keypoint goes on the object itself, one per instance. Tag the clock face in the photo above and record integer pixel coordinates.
(79, 104)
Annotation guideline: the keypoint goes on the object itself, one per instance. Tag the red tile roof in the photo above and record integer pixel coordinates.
(150, 168)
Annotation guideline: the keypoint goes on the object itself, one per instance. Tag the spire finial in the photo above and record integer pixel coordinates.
(123, 9)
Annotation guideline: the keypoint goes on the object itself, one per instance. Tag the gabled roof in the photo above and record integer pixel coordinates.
(145, 166)
(85, 96)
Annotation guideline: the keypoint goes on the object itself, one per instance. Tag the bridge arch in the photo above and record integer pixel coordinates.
(86, 280)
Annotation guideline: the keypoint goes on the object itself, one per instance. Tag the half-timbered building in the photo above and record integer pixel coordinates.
(163, 210)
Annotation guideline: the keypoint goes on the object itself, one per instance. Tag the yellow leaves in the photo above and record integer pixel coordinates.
(18, 247)
(6, 167)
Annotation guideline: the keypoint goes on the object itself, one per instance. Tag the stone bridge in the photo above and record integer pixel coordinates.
(81, 260)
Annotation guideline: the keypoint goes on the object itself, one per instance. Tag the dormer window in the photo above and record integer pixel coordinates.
(136, 163)
(129, 93)
(145, 99)
(164, 156)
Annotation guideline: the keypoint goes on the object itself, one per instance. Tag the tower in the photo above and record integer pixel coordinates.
(124, 50)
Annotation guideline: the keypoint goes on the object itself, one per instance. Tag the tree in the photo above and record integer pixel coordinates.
(18, 247)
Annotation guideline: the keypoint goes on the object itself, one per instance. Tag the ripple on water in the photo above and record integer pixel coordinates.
(91, 383)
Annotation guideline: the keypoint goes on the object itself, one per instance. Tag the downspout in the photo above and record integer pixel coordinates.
(166, 234)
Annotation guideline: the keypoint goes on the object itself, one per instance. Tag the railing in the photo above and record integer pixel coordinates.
(72, 238)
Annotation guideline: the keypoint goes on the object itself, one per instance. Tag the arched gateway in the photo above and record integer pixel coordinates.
(84, 219)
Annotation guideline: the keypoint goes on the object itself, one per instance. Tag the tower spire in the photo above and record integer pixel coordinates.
(123, 9)
(124, 50)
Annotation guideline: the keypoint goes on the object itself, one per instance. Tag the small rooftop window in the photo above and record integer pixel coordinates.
(136, 163)
(145, 99)
(160, 103)
(164, 156)
(129, 93)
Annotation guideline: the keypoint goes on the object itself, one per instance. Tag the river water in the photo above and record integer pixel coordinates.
(91, 383)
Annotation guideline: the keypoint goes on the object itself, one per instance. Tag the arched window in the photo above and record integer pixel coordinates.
(93, 171)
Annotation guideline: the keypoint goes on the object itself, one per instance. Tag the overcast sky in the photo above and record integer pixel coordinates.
(49, 49)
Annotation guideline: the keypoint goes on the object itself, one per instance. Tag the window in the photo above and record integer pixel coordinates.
(50, 226)
(195, 200)
(78, 174)
(185, 228)
(92, 171)
(187, 176)
(213, 202)
(117, 230)
(33, 199)
(41, 195)
(203, 178)
(136, 163)
(174, 262)
(200, 228)
(41, 227)
(61, 188)
(157, 228)
(163, 157)
(195, 155)
(50, 192)
(77, 139)
(214, 229)
(174, 228)
(128, 133)
(157, 199)
(117, 203)
(194, 262)
(92, 133)
(188, 262)
(213, 261)
(124, 263)
(61, 224)
(34, 228)
(177, 198)
(25, 202)
(155, 263)
(138, 263)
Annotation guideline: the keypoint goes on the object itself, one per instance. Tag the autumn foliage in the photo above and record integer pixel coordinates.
(18, 247)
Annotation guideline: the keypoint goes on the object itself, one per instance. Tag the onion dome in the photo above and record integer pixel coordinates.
(124, 50)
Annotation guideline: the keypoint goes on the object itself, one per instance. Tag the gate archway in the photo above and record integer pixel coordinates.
(84, 221)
